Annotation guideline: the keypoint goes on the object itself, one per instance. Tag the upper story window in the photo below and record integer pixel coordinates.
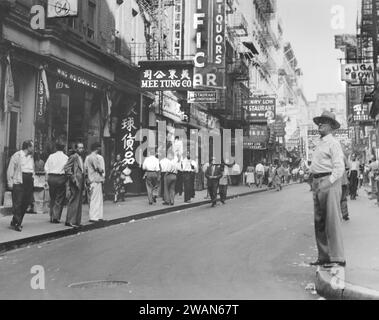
(91, 19)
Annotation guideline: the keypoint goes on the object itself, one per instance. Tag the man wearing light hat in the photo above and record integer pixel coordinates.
(328, 168)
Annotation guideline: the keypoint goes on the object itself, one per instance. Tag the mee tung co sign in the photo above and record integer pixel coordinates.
(166, 75)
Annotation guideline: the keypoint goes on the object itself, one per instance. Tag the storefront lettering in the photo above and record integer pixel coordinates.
(77, 79)
(128, 140)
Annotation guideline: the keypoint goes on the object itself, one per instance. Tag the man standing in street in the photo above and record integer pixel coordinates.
(56, 179)
(188, 167)
(20, 180)
(213, 175)
(74, 169)
(354, 175)
(151, 166)
(259, 172)
(328, 168)
(94, 167)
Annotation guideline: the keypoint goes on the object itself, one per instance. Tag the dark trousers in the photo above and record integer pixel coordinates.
(74, 206)
(152, 185)
(212, 189)
(193, 184)
(353, 184)
(162, 188)
(344, 208)
(21, 198)
(187, 186)
(179, 183)
(223, 192)
(169, 188)
(57, 190)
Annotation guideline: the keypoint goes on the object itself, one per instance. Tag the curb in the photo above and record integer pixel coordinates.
(331, 287)
(16, 244)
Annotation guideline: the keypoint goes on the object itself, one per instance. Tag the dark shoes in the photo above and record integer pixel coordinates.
(55, 221)
(346, 218)
(71, 225)
(318, 263)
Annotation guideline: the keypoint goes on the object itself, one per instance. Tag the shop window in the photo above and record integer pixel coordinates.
(91, 19)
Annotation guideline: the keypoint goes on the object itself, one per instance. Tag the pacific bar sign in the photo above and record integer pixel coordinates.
(166, 75)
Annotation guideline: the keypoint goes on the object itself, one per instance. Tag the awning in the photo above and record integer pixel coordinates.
(251, 47)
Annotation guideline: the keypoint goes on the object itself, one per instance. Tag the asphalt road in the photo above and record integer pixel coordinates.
(252, 248)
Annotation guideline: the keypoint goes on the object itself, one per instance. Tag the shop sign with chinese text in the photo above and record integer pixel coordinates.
(258, 134)
(251, 145)
(260, 109)
(361, 112)
(166, 75)
(129, 127)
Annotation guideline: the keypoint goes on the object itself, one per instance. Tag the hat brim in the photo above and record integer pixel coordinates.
(335, 124)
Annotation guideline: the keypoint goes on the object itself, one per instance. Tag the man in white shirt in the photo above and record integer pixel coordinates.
(56, 179)
(20, 180)
(328, 167)
(354, 174)
(260, 172)
(152, 168)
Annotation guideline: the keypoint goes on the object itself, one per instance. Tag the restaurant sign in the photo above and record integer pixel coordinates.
(361, 112)
(202, 97)
(258, 134)
(166, 75)
(251, 145)
(260, 109)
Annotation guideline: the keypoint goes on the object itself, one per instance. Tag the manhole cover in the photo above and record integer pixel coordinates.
(98, 284)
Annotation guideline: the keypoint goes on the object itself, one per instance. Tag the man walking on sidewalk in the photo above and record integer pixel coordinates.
(165, 165)
(260, 172)
(74, 169)
(328, 168)
(213, 175)
(94, 167)
(151, 166)
(56, 179)
(20, 180)
(170, 180)
(354, 175)
(188, 167)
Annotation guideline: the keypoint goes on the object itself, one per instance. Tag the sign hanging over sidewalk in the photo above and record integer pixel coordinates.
(62, 8)
(260, 109)
(166, 75)
(202, 97)
(358, 73)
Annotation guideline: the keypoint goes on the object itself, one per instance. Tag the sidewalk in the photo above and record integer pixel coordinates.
(361, 240)
(37, 228)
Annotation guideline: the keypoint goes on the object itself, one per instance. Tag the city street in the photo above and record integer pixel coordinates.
(251, 248)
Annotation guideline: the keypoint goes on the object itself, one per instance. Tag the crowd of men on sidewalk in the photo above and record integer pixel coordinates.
(67, 178)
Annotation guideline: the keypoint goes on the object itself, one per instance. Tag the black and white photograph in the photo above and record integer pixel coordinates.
(189, 156)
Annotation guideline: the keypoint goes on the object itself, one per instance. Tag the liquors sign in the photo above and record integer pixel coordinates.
(166, 75)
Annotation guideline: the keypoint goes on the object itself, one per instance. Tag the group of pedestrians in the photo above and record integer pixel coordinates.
(174, 175)
(67, 178)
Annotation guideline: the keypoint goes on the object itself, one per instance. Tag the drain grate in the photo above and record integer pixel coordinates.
(102, 284)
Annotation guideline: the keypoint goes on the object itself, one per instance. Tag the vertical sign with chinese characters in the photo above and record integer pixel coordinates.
(178, 29)
(40, 116)
(209, 24)
(129, 128)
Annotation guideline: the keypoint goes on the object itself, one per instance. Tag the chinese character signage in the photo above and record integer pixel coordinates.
(258, 134)
(358, 73)
(62, 8)
(280, 128)
(129, 128)
(166, 75)
(361, 112)
(202, 97)
(178, 28)
(260, 109)
(209, 27)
